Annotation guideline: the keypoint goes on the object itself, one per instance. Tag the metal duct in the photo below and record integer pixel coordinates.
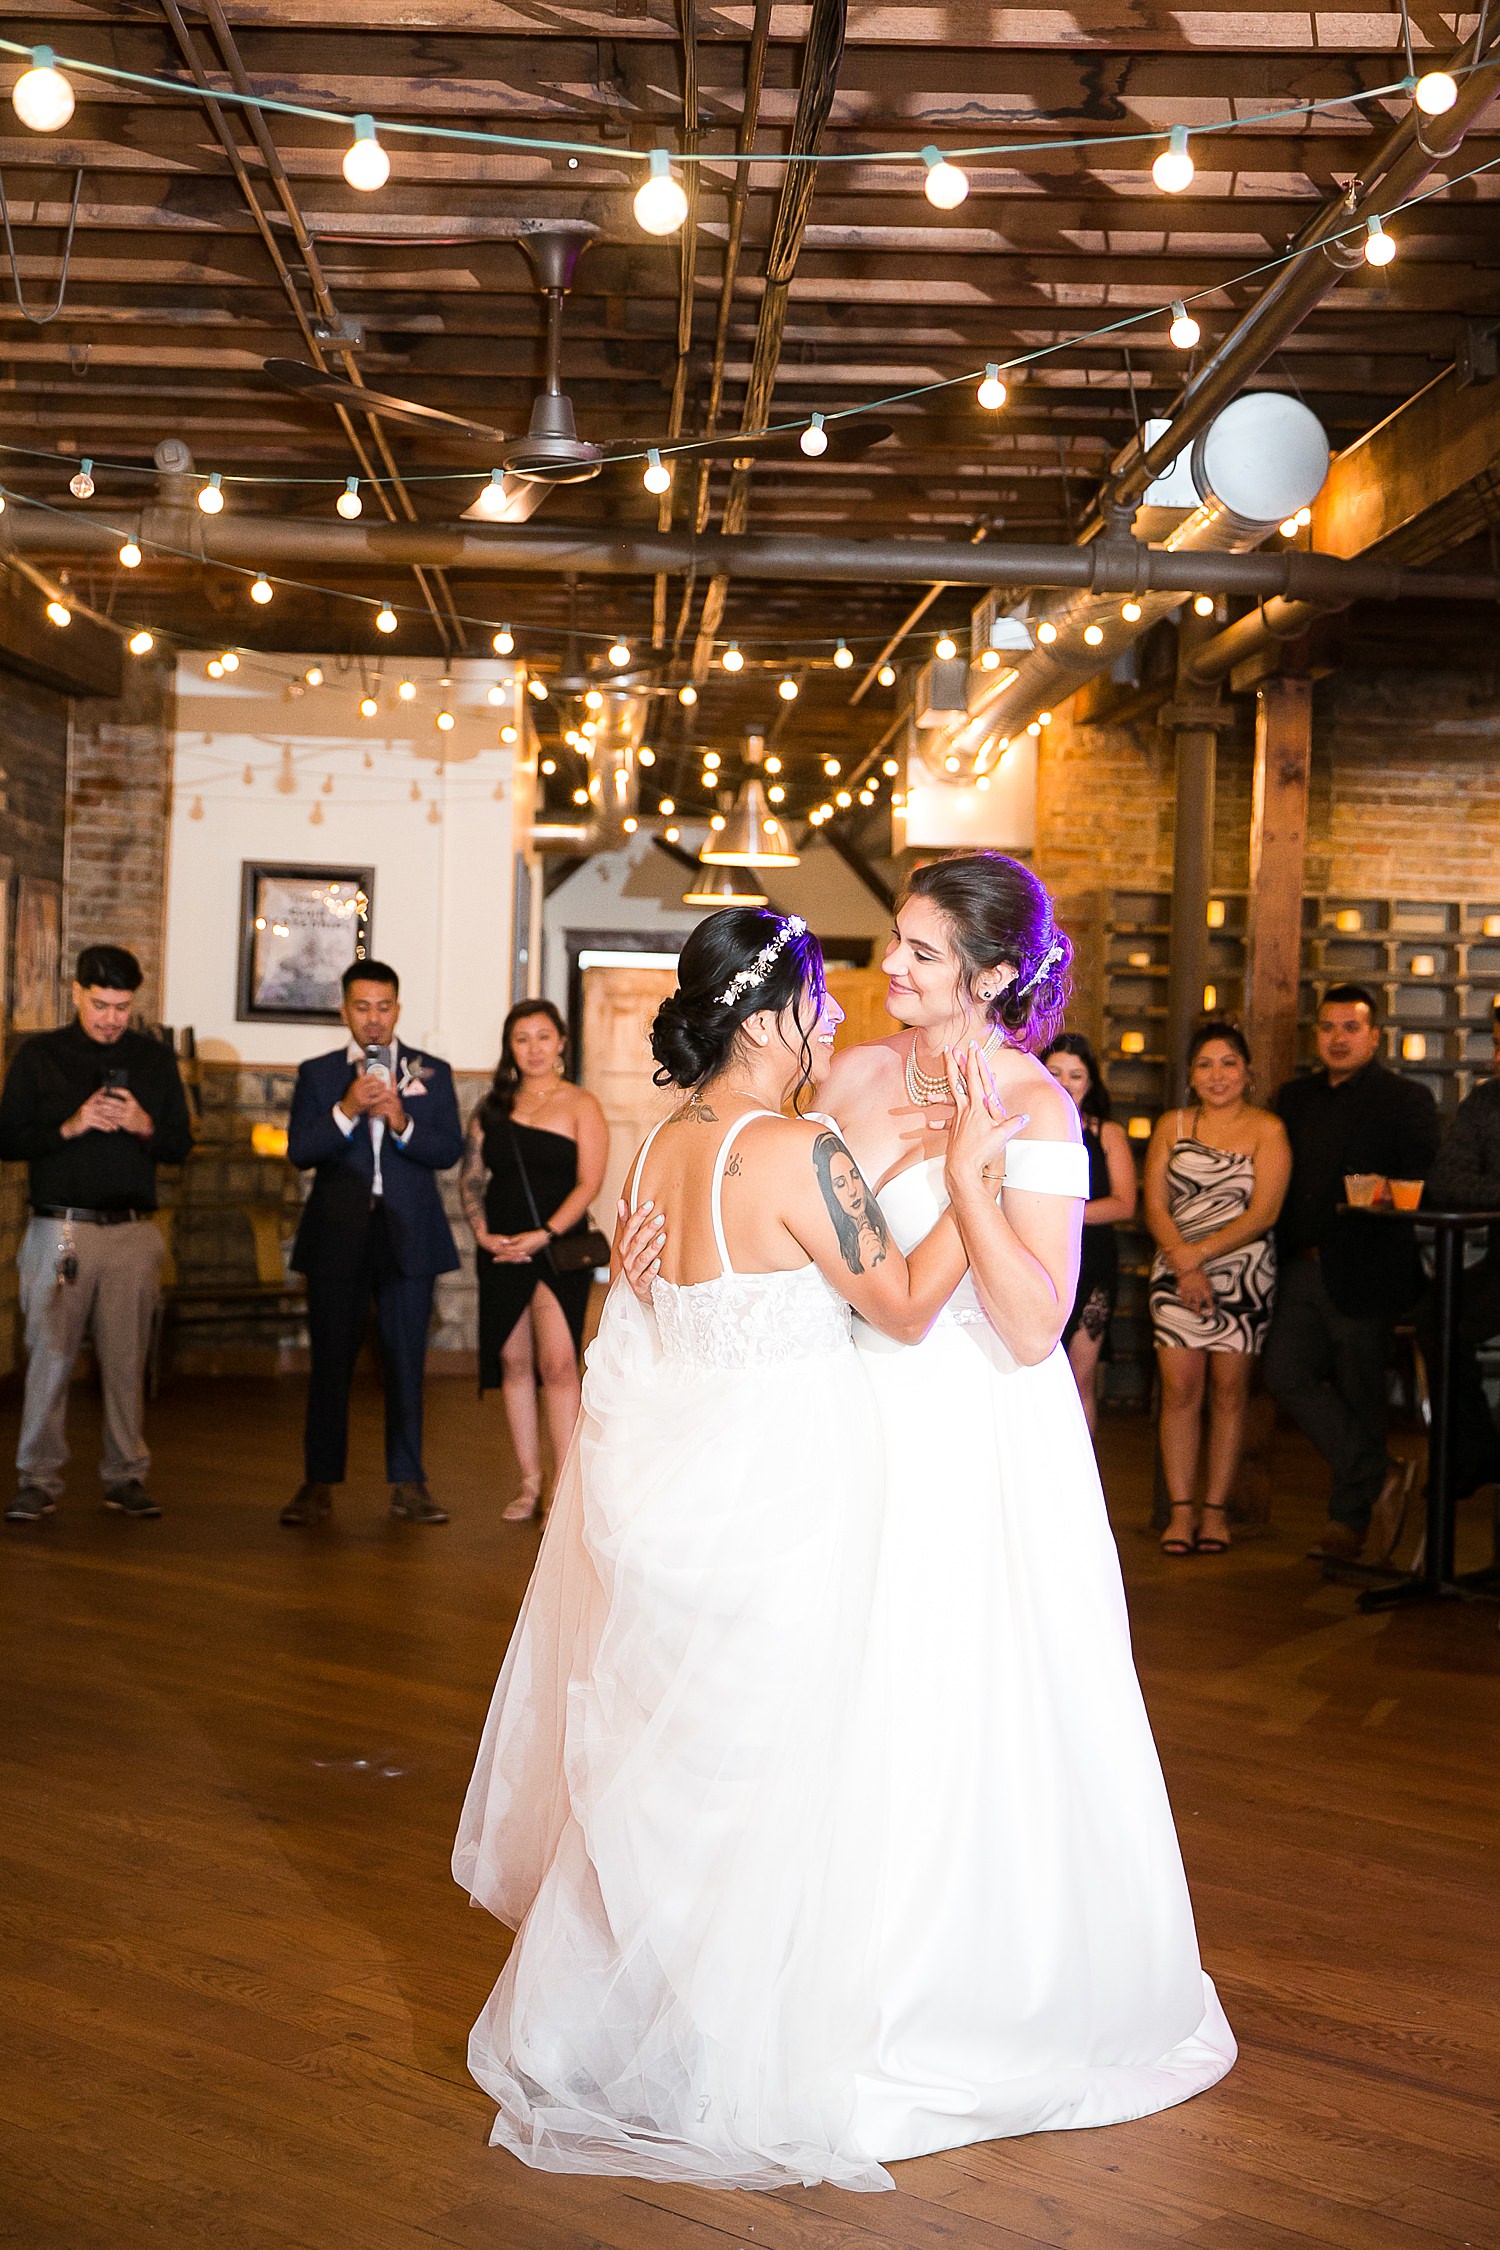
(614, 780)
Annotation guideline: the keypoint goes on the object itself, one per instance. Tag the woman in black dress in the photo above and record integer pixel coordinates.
(534, 1159)
(1111, 1203)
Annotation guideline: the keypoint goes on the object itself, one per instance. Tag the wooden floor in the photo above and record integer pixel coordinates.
(236, 1979)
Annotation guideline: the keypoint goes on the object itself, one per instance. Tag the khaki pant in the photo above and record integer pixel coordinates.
(114, 1297)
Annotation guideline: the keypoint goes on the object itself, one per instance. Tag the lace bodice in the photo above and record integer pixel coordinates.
(750, 1319)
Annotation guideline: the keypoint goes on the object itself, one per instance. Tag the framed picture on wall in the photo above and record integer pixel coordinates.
(34, 986)
(300, 929)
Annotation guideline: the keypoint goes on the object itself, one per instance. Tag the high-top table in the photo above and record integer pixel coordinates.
(1437, 1580)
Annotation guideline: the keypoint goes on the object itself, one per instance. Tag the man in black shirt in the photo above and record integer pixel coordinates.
(91, 1110)
(1466, 1177)
(1344, 1280)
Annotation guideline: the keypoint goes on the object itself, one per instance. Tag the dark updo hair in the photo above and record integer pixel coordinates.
(1096, 1102)
(506, 1083)
(1218, 1027)
(694, 1032)
(999, 913)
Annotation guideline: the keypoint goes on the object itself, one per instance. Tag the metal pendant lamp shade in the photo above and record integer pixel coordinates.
(720, 886)
(752, 836)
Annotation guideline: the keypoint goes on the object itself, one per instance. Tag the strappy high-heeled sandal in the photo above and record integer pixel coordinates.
(1172, 1543)
(1214, 1545)
(527, 1503)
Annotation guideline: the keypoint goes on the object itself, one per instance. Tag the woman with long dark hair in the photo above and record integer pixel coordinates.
(534, 1158)
(1071, 1060)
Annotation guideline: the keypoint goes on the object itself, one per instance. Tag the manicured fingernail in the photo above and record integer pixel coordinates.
(648, 1206)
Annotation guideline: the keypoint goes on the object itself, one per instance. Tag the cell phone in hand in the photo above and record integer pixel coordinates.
(117, 1081)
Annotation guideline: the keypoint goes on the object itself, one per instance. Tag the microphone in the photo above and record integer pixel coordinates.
(376, 1065)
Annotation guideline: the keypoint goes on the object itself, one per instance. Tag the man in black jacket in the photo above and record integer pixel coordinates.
(92, 1110)
(1466, 1177)
(1344, 1280)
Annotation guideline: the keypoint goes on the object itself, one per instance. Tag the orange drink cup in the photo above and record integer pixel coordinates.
(1406, 1194)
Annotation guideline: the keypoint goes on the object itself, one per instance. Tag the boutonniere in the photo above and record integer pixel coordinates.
(414, 1078)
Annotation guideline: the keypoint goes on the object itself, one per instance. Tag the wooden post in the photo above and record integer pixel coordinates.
(1278, 847)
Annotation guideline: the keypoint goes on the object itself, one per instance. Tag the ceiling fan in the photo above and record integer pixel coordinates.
(551, 452)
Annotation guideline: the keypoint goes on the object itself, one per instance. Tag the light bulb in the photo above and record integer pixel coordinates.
(1173, 169)
(989, 660)
(549, 765)
(619, 655)
(349, 503)
(589, 729)
(787, 690)
(1184, 330)
(41, 96)
(667, 806)
(2, 503)
(843, 798)
(687, 695)
(660, 203)
(718, 824)
(773, 765)
(945, 185)
(732, 660)
(210, 498)
(141, 643)
(712, 761)
(504, 641)
(510, 734)
(229, 660)
(366, 165)
(672, 834)
(537, 688)
(385, 621)
(593, 701)
(1043, 719)
(1203, 605)
(214, 668)
(445, 722)
(843, 656)
(368, 706)
(1046, 632)
(832, 768)
(1033, 728)
(1303, 518)
(991, 392)
(580, 796)
(946, 647)
(889, 768)
(814, 439)
(1435, 91)
(59, 614)
(887, 675)
(490, 501)
(657, 477)
(130, 555)
(1093, 634)
(1290, 528)
(407, 690)
(630, 824)
(776, 794)
(262, 591)
(867, 796)
(1380, 247)
(314, 675)
(1131, 611)
(81, 483)
(646, 756)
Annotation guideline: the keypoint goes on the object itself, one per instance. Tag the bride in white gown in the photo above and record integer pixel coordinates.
(670, 1804)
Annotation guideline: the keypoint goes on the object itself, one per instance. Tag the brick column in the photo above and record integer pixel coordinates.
(119, 796)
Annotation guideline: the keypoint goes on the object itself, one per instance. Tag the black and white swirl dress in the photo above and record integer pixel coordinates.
(1208, 1188)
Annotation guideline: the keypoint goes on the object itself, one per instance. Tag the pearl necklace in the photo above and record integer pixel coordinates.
(927, 1091)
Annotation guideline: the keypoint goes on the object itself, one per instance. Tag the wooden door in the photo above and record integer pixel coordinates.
(861, 995)
(618, 1005)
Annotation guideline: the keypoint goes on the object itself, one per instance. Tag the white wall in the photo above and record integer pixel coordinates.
(254, 751)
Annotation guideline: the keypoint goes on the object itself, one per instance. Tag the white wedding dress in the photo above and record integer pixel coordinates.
(667, 1804)
(1036, 1964)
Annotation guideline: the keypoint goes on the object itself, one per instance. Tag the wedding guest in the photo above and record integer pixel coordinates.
(1466, 1177)
(91, 1110)
(1112, 1199)
(1345, 1281)
(534, 1159)
(378, 1120)
(1216, 1175)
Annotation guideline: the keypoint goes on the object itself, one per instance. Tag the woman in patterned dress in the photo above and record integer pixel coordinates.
(1216, 1177)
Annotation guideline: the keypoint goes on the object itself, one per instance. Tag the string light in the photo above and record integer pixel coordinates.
(660, 203)
(843, 656)
(712, 761)
(787, 690)
(1184, 330)
(58, 613)
(41, 96)
(843, 798)
(497, 694)
(141, 643)
(773, 765)
(672, 834)
(992, 392)
(945, 185)
(732, 660)
(130, 556)
(832, 768)
(538, 689)
(510, 734)
(656, 477)
(1093, 635)
(619, 656)
(947, 647)
(814, 439)
(385, 621)
(1046, 632)
(262, 591)
(718, 824)
(490, 501)
(1203, 605)
(887, 675)
(776, 794)
(314, 675)
(1131, 611)
(368, 706)
(549, 765)
(366, 165)
(2, 503)
(1380, 247)
(646, 756)
(81, 485)
(1303, 518)
(630, 824)
(1173, 169)
(1043, 719)
(1033, 728)
(1289, 528)
(889, 768)
(504, 641)
(229, 660)
(593, 701)
(349, 503)
(214, 668)
(667, 806)
(445, 722)
(210, 498)
(407, 690)
(1434, 92)
(687, 695)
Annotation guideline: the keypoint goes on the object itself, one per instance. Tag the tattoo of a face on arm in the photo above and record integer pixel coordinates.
(859, 1224)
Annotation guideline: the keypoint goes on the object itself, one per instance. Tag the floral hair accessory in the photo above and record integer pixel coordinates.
(759, 968)
(1049, 960)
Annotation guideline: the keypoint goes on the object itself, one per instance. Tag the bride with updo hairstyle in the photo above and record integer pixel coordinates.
(1036, 1964)
(671, 1805)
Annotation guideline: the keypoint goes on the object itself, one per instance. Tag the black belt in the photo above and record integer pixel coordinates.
(86, 1218)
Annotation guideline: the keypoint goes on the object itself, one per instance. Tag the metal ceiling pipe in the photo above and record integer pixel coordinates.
(1260, 628)
(1415, 147)
(1104, 567)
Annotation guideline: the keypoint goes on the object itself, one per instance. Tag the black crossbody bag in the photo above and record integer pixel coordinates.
(576, 1252)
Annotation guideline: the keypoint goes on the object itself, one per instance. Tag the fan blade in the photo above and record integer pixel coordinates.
(519, 499)
(334, 390)
(847, 441)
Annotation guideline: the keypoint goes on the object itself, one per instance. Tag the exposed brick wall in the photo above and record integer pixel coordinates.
(119, 802)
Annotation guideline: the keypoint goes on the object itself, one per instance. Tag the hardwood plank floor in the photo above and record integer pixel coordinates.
(236, 1979)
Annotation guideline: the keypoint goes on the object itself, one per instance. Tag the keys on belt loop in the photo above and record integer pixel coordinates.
(67, 1255)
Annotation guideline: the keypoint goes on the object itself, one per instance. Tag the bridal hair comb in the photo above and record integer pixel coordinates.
(1049, 960)
(756, 973)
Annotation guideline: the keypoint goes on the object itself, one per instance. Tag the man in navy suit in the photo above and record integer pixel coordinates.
(378, 1121)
